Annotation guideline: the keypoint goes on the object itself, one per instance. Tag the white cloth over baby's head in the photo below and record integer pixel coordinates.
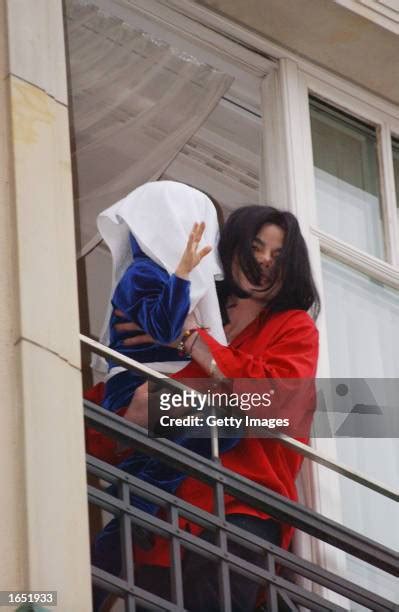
(160, 216)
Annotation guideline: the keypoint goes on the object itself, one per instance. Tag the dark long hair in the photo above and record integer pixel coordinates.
(291, 271)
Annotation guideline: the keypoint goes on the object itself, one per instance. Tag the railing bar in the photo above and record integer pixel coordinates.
(322, 606)
(127, 543)
(303, 449)
(119, 587)
(290, 587)
(113, 423)
(339, 585)
(291, 605)
(176, 567)
(224, 581)
(270, 563)
(367, 599)
(272, 601)
(143, 518)
(343, 470)
(224, 573)
(131, 603)
(274, 504)
(153, 493)
(244, 567)
(300, 566)
(305, 568)
(269, 589)
(131, 364)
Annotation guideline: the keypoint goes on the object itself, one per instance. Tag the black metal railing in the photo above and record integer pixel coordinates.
(281, 574)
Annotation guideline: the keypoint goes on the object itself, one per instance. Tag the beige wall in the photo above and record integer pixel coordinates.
(44, 528)
(326, 33)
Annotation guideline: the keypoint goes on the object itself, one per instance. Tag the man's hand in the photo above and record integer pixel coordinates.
(137, 411)
(191, 256)
(144, 338)
(130, 326)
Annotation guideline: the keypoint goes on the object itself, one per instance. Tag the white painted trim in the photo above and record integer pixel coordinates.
(89, 246)
(288, 164)
(296, 169)
(347, 97)
(375, 11)
(384, 123)
(273, 189)
(359, 260)
(165, 15)
(388, 193)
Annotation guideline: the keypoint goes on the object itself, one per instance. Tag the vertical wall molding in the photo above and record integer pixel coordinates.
(45, 536)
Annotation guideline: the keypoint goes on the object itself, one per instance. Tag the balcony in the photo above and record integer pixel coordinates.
(287, 581)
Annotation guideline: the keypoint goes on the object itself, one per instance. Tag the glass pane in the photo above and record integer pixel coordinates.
(395, 154)
(347, 179)
(363, 338)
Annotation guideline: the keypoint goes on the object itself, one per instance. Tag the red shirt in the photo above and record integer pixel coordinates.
(283, 345)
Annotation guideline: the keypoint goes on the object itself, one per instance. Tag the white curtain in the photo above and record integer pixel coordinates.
(363, 341)
(349, 213)
(362, 321)
(135, 102)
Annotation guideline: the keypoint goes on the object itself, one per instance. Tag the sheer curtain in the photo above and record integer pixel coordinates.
(362, 320)
(364, 339)
(135, 102)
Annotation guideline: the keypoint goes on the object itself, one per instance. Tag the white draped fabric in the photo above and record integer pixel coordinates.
(135, 102)
(363, 341)
(362, 322)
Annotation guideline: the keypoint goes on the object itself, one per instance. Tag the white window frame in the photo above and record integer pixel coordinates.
(290, 88)
(287, 180)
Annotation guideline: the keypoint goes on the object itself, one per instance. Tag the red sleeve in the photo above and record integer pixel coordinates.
(98, 444)
(292, 355)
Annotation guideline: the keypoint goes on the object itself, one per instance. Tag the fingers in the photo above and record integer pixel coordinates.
(127, 327)
(199, 231)
(142, 339)
(192, 239)
(204, 252)
(196, 233)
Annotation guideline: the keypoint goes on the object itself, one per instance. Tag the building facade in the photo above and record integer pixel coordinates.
(293, 102)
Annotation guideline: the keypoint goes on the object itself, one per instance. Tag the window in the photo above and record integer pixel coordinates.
(347, 181)
(395, 156)
(150, 104)
(360, 301)
(362, 323)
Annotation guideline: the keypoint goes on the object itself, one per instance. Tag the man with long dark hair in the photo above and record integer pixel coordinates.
(268, 291)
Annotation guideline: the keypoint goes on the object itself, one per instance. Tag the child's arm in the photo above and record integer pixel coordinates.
(157, 302)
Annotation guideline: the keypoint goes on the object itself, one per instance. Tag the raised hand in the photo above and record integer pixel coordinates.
(191, 256)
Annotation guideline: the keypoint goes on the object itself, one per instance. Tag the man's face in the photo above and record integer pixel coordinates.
(266, 247)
